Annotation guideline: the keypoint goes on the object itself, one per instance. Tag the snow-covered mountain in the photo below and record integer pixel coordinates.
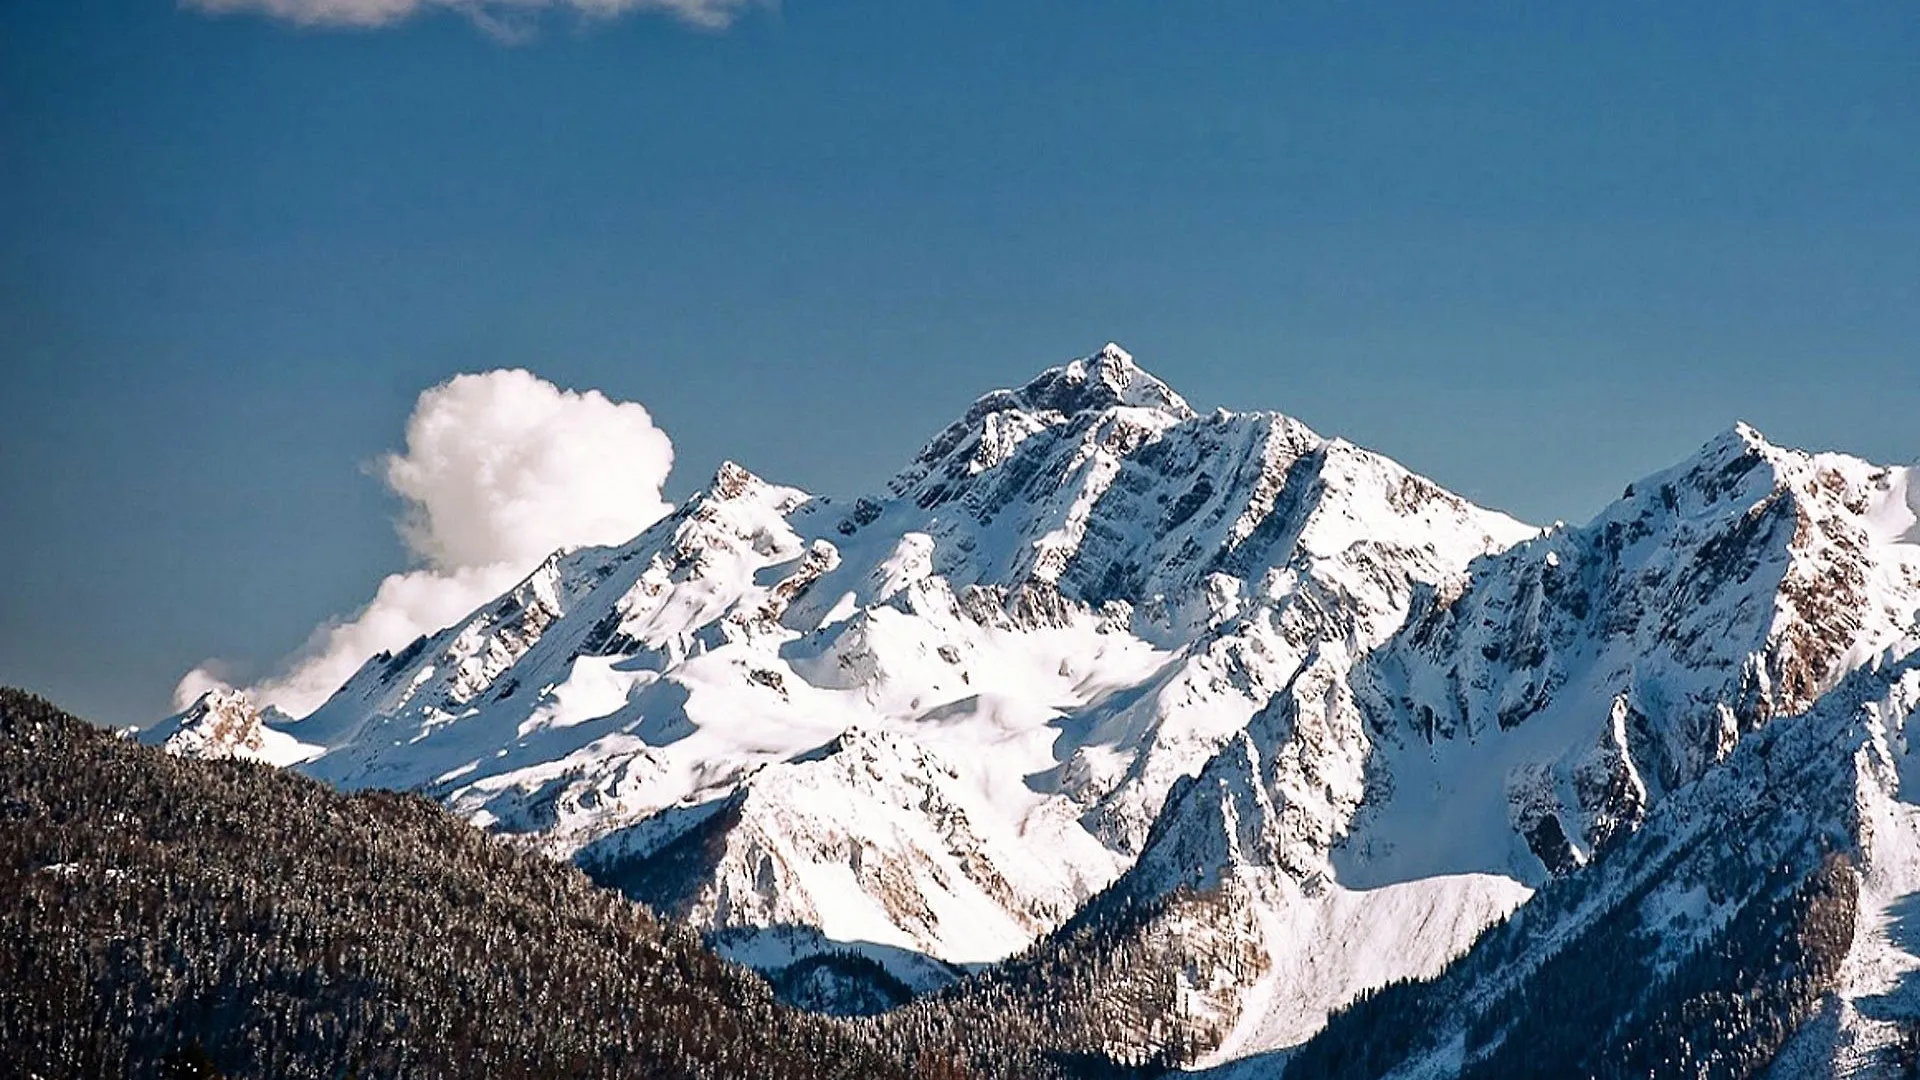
(1312, 722)
(1538, 713)
(225, 723)
(936, 719)
(1519, 727)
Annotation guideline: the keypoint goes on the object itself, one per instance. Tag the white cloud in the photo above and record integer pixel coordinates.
(506, 467)
(404, 607)
(197, 682)
(494, 14)
(500, 470)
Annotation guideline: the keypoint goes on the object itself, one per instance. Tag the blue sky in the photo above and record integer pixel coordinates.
(1531, 250)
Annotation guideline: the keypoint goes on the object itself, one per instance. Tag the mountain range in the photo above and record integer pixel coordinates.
(1306, 758)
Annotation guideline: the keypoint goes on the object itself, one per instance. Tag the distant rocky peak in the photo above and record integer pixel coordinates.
(227, 723)
(221, 701)
(1108, 379)
(1740, 439)
(1741, 449)
(737, 494)
(1738, 477)
(1734, 470)
(733, 481)
(1082, 388)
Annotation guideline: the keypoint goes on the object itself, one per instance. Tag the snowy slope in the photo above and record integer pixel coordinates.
(1749, 911)
(1324, 946)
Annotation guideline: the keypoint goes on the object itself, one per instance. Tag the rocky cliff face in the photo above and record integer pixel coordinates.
(1751, 926)
(1519, 727)
(1576, 677)
(227, 724)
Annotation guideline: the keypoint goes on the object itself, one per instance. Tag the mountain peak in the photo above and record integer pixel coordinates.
(1110, 378)
(226, 723)
(1104, 380)
(732, 480)
(1113, 366)
(734, 485)
(1741, 438)
(1107, 379)
(220, 699)
(1719, 466)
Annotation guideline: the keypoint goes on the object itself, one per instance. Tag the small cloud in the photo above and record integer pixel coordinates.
(500, 470)
(506, 467)
(197, 682)
(497, 16)
(403, 608)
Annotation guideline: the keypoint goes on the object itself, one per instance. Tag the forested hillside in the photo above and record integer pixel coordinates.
(167, 917)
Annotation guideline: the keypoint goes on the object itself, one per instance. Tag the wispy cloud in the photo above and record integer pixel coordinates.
(498, 16)
(500, 469)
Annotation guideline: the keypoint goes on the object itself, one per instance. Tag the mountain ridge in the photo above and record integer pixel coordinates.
(1092, 644)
